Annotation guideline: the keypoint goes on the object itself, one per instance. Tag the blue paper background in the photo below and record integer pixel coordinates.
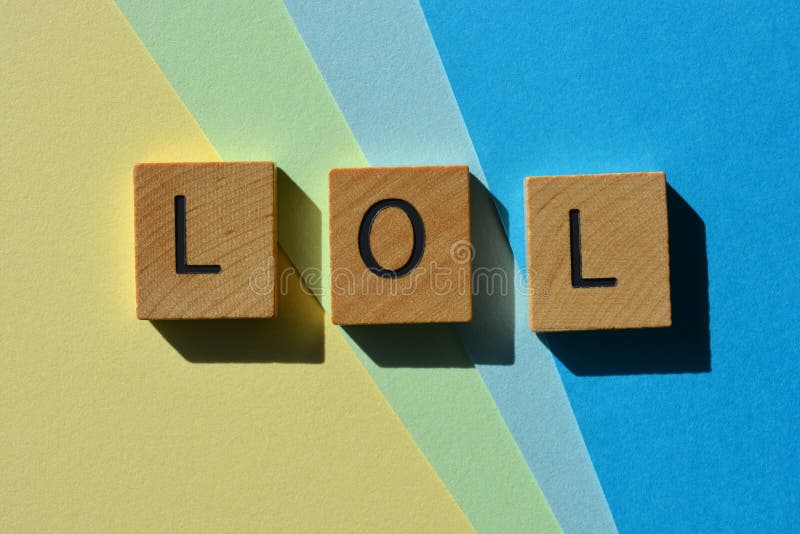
(708, 93)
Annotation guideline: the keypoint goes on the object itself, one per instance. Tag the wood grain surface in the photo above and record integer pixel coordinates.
(623, 236)
(230, 222)
(438, 288)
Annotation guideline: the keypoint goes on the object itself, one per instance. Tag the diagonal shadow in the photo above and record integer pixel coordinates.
(684, 347)
(296, 335)
(300, 229)
(489, 338)
(410, 345)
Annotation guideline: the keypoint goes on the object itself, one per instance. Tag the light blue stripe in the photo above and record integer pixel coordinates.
(381, 64)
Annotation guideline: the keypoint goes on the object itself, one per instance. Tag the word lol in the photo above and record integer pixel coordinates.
(400, 249)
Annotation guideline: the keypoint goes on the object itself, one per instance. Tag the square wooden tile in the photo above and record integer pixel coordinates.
(205, 240)
(598, 253)
(400, 245)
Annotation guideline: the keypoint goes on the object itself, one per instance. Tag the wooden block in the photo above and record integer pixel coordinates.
(205, 240)
(598, 253)
(400, 245)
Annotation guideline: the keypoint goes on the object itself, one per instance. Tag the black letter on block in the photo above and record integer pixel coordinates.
(575, 249)
(181, 267)
(366, 229)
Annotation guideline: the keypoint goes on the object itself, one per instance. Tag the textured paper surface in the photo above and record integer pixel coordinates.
(708, 93)
(382, 67)
(246, 76)
(104, 425)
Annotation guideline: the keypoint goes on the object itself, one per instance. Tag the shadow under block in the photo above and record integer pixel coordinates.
(205, 240)
(598, 253)
(400, 245)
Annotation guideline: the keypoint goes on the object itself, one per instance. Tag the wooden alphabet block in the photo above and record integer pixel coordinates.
(400, 245)
(205, 240)
(598, 253)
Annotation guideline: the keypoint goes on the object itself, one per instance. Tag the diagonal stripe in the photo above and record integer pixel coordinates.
(381, 64)
(247, 77)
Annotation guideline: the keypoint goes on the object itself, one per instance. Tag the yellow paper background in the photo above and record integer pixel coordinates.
(103, 425)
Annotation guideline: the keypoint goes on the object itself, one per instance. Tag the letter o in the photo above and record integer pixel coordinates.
(364, 232)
